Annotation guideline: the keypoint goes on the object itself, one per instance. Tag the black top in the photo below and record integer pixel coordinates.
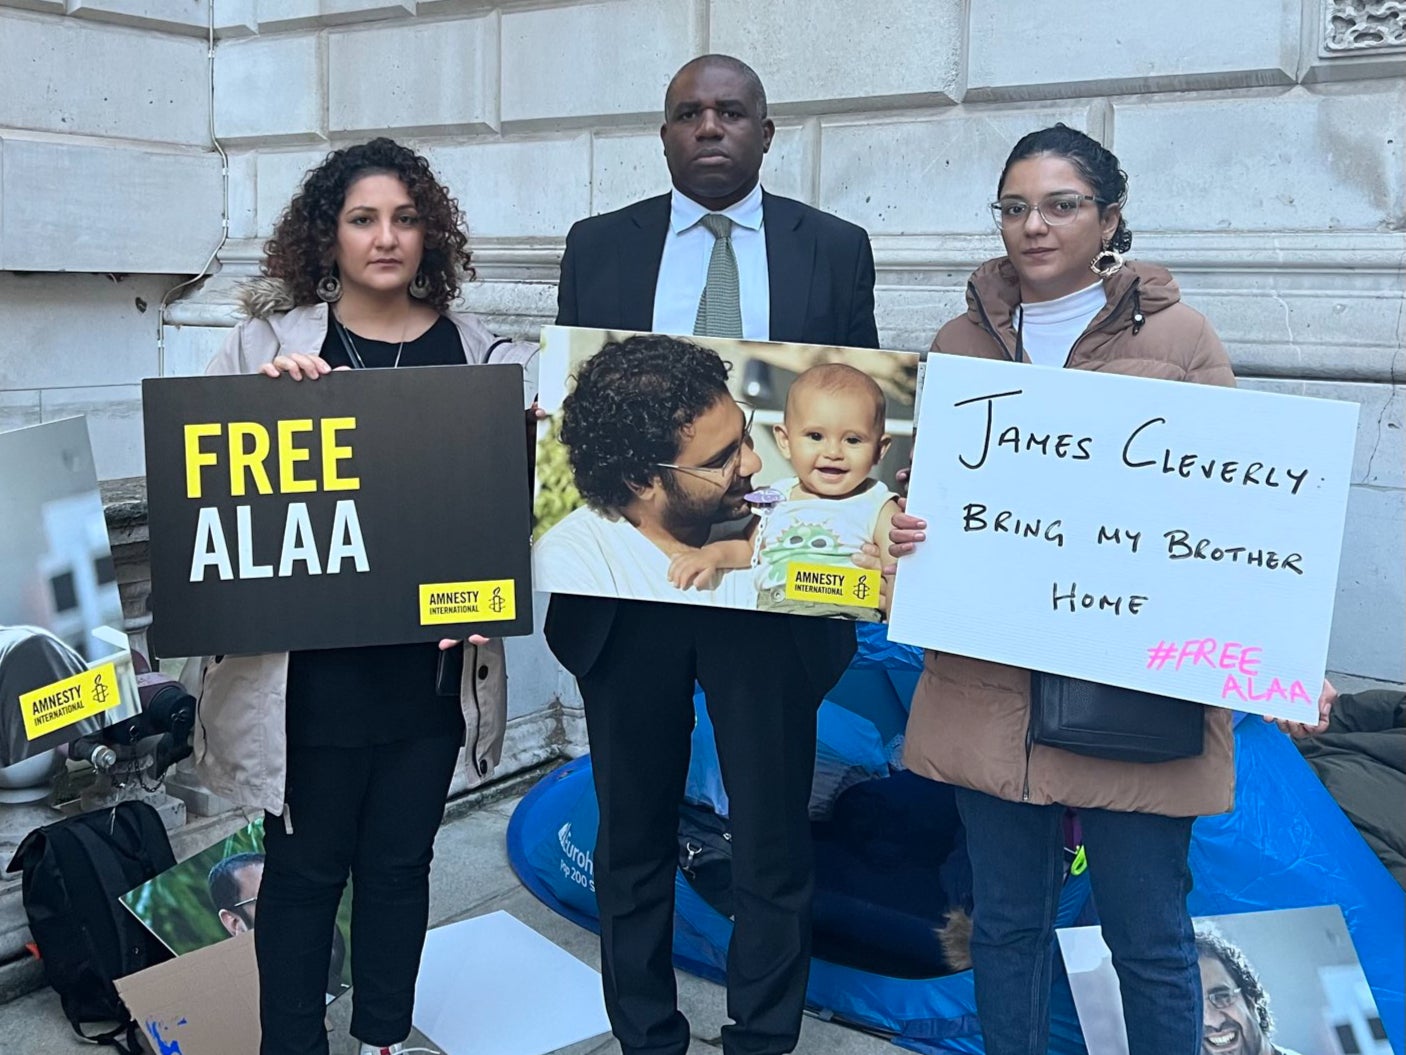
(437, 346)
(355, 697)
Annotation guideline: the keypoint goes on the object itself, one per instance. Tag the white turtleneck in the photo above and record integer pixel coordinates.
(1052, 326)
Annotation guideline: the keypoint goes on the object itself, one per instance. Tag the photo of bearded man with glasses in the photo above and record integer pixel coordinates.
(662, 454)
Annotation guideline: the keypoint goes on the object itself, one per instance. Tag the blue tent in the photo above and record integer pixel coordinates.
(1286, 845)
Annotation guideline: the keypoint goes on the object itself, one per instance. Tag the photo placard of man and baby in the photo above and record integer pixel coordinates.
(707, 471)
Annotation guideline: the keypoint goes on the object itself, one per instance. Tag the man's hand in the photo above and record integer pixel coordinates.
(298, 365)
(1300, 730)
(694, 569)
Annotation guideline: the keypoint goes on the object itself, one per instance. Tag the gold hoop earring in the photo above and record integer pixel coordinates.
(1108, 262)
(420, 286)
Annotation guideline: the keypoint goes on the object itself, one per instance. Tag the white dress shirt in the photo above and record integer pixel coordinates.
(683, 270)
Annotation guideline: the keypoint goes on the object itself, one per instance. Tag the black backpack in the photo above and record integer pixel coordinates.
(74, 872)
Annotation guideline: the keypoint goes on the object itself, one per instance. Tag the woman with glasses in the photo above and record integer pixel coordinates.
(351, 751)
(1064, 297)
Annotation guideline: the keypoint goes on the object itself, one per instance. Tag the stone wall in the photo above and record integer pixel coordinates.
(1264, 141)
(106, 172)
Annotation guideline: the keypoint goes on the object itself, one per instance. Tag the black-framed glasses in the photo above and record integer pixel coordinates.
(1056, 209)
(1222, 997)
(724, 474)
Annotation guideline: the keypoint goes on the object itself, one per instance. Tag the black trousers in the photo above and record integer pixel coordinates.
(639, 715)
(371, 812)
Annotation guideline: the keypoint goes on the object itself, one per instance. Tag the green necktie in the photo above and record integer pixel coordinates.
(720, 307)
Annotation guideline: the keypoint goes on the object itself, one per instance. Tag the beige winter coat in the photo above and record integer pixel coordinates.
(240, 732)
(969, 717)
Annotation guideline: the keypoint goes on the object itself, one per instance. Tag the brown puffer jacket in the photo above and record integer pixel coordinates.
(969, 717)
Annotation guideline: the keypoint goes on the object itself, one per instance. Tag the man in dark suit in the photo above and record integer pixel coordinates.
(720, 257)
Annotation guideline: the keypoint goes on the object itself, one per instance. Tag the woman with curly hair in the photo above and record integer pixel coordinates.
(361, 271)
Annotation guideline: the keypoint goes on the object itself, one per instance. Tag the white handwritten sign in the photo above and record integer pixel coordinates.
(1174, 538)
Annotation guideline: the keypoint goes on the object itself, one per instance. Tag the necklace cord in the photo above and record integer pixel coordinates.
(349, 346)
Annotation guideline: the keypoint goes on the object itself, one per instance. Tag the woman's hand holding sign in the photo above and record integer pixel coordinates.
(1302, 730)
(298, 365)
(446, 643)
(905, 532)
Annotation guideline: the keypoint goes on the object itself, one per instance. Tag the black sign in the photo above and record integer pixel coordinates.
(368, 507)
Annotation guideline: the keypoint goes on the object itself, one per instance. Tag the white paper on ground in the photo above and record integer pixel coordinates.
(494, 986)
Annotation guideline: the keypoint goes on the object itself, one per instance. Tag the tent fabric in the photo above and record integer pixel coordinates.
(559, 816)
(1286, 845)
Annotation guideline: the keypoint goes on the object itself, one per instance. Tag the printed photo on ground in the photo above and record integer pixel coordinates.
(65, 667)
(652, 486)
(1286, 982)
(214, 895)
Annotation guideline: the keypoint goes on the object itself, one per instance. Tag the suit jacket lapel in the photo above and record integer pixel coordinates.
(640, 249)
(790, 260)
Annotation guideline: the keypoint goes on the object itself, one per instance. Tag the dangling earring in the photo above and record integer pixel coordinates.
(1108, 262)
(419, 286)
(330, 288)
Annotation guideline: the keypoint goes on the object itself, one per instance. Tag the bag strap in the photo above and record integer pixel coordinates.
(143, 824)
(111, 878)
(125, 1038)
(99, 853)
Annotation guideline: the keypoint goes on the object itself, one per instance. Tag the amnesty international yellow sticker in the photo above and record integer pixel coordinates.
(62, 703)
(467, 602)
(832, 584)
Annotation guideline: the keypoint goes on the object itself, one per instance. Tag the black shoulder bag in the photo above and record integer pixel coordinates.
(1104, 721)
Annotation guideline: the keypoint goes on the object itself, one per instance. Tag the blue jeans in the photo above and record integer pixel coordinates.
(1140, 877)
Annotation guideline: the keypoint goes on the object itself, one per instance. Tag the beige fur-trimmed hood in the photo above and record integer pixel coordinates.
(261, 297)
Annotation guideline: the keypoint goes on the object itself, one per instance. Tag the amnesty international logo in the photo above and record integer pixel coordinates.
(63, 703)
(488, 600)
(832, 584)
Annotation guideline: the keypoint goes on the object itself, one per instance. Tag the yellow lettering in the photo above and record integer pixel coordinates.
(289, 455)
(332, 454)
(195, 457)
(244, 458)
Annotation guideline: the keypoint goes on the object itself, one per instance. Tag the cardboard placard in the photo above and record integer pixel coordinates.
(830, 428)
(1174, 538)
(365, 508)
(203, 1003)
